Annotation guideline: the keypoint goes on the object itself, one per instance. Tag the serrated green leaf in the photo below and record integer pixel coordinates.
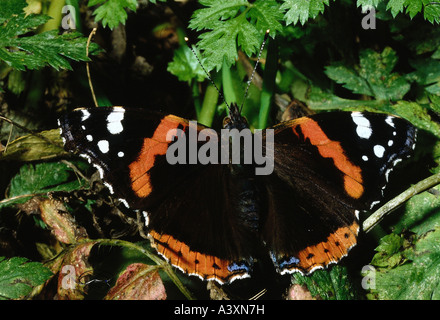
(40, 179)
(267, 15)
(395, 6)
(418, 277)
(18, 276)
(233, 24)
(21, 50)
(220, 43)
(432, 12)
(112, 12)
(348, 78)
(215, 11)
(302, 10)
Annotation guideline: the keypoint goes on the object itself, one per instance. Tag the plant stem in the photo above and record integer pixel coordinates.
(228, 87)
(55, 11)
(209, 105)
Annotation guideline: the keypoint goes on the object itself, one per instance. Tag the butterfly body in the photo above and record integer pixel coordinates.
(211, 219)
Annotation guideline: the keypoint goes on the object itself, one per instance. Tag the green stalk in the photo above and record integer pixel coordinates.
(209, 106)
(55, 11)
(75, 4)
(196, 97)
(228, 87)
(37, 80)
(267, 92)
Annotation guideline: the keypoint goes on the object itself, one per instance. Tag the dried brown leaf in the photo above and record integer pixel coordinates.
(138, 282)
(63, 225)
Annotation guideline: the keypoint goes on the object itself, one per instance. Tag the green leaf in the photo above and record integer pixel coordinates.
(432, 12)
(266, 14)
(320, 100)
(11, 7)
(417, 277)
(302, 10)
(373, 77)
(21, 50)
(220, 43)
(18, 277)
(112, 12)
(215, 11)
(391, 251)
(40, 179)
(427, 74)
(334, 283)
(396, 6)
(185, 65)
(422, 213)
(348, 78)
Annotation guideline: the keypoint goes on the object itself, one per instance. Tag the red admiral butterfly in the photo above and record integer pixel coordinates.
(212, 220)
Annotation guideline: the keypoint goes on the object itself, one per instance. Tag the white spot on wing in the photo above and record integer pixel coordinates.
(114, 121)
(363, 128)
(103, 146)
(85, 114)
(124, 202)
(147, 219)
(109, 186)
(390, 122)
(100, 170)
(378, 151)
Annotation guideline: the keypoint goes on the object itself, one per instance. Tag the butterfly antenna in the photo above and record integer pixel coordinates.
(206, 72)
(255, 68)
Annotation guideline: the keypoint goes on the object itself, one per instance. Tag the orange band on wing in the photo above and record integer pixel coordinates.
(332, 149)
(332, 250)
(194, 263)
(152, 147)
